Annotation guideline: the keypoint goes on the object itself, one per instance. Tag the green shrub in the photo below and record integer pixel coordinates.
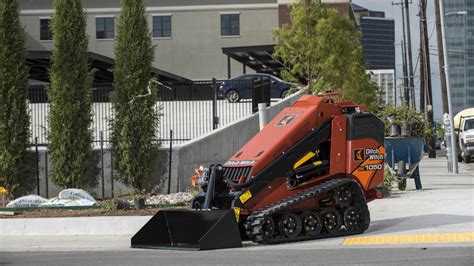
(134, 136)
(70, 137)
(388, 180)
(15, 160)
(420, 127)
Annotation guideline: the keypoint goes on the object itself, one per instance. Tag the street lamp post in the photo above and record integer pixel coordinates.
(454, 156)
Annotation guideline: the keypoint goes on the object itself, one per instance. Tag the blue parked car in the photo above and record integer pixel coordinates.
(240, 87)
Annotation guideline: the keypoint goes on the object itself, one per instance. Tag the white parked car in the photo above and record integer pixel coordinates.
(466, 138)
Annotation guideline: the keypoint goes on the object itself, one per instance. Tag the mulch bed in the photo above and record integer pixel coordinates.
(80, 213)
(51, 212)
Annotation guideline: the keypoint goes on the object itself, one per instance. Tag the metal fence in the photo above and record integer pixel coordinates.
(189, 110)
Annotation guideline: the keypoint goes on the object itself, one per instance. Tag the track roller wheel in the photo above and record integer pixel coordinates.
(353, 218)
(343, 195)
(312, 223)
(268, 227)
(290, 225)
(332, 220)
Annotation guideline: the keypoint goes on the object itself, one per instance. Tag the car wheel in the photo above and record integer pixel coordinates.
(402, 184)
(233, 96)
(466, 158)
(285, 93)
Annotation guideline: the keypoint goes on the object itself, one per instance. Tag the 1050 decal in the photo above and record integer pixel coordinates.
(373, 159)
(372, 167)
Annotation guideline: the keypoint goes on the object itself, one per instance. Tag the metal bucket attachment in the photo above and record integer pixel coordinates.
(189, 229)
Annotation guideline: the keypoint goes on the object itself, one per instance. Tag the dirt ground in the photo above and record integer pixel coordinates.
(80, 213)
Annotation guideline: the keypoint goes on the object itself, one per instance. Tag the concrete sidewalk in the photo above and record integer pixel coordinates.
(444, 206)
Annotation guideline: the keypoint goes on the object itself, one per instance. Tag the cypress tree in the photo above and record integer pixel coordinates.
(134, 129)
(70, 137)
(15, 174)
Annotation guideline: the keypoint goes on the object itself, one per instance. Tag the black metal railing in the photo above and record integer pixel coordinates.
(188, 109)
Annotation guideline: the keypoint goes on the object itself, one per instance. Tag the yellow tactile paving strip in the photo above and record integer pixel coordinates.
(411, 239)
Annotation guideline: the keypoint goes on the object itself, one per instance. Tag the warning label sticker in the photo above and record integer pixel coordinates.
(245, 197)
(286, 120)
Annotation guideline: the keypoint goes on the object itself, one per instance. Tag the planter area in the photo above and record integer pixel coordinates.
(113, 207)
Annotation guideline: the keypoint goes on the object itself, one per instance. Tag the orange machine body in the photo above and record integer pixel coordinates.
(359, 157)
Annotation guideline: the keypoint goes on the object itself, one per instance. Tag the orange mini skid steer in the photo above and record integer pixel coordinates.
(307, 175)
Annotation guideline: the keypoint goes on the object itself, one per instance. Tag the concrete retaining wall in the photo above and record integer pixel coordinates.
(49, 190)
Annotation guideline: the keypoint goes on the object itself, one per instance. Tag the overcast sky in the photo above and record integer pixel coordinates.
(394, 11)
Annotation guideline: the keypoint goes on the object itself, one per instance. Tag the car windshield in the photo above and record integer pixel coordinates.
(469, 124)
(277, 79)
(249, 77)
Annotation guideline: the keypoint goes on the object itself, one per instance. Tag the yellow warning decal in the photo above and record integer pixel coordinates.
(411, 239)
(318, 163)
(237, 213)
(305, 158)
(245, 197)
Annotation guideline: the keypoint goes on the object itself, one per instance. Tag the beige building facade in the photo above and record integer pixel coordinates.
(194, 47)
(189, 35)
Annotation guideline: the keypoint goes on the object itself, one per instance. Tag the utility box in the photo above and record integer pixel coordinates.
(260, 92)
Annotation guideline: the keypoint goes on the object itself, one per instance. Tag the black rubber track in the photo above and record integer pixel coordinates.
(253, 224)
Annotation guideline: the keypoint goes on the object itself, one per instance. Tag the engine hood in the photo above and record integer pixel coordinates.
(287, 128)
(469, 132)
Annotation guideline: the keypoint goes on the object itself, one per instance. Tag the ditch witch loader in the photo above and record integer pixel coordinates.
(307, 175)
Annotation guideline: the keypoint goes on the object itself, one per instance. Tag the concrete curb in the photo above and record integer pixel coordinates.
(105, 225)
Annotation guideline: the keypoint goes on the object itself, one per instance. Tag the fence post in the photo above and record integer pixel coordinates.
(111, 172)
(254, 95)
(46, 172)
(215, 119)
(37, 167)
(169, 163)
(102, 162)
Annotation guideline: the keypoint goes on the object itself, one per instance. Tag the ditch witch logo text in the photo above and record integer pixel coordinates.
(370, 154)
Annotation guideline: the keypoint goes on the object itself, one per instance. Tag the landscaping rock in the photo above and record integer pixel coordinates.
(175, 198)
(122, 204)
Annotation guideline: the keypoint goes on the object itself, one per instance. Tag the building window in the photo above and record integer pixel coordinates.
(230, 24)
(162, 26)
(45, 31)
(104, 27)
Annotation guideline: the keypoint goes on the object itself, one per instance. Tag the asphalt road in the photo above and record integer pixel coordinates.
(374, 256)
